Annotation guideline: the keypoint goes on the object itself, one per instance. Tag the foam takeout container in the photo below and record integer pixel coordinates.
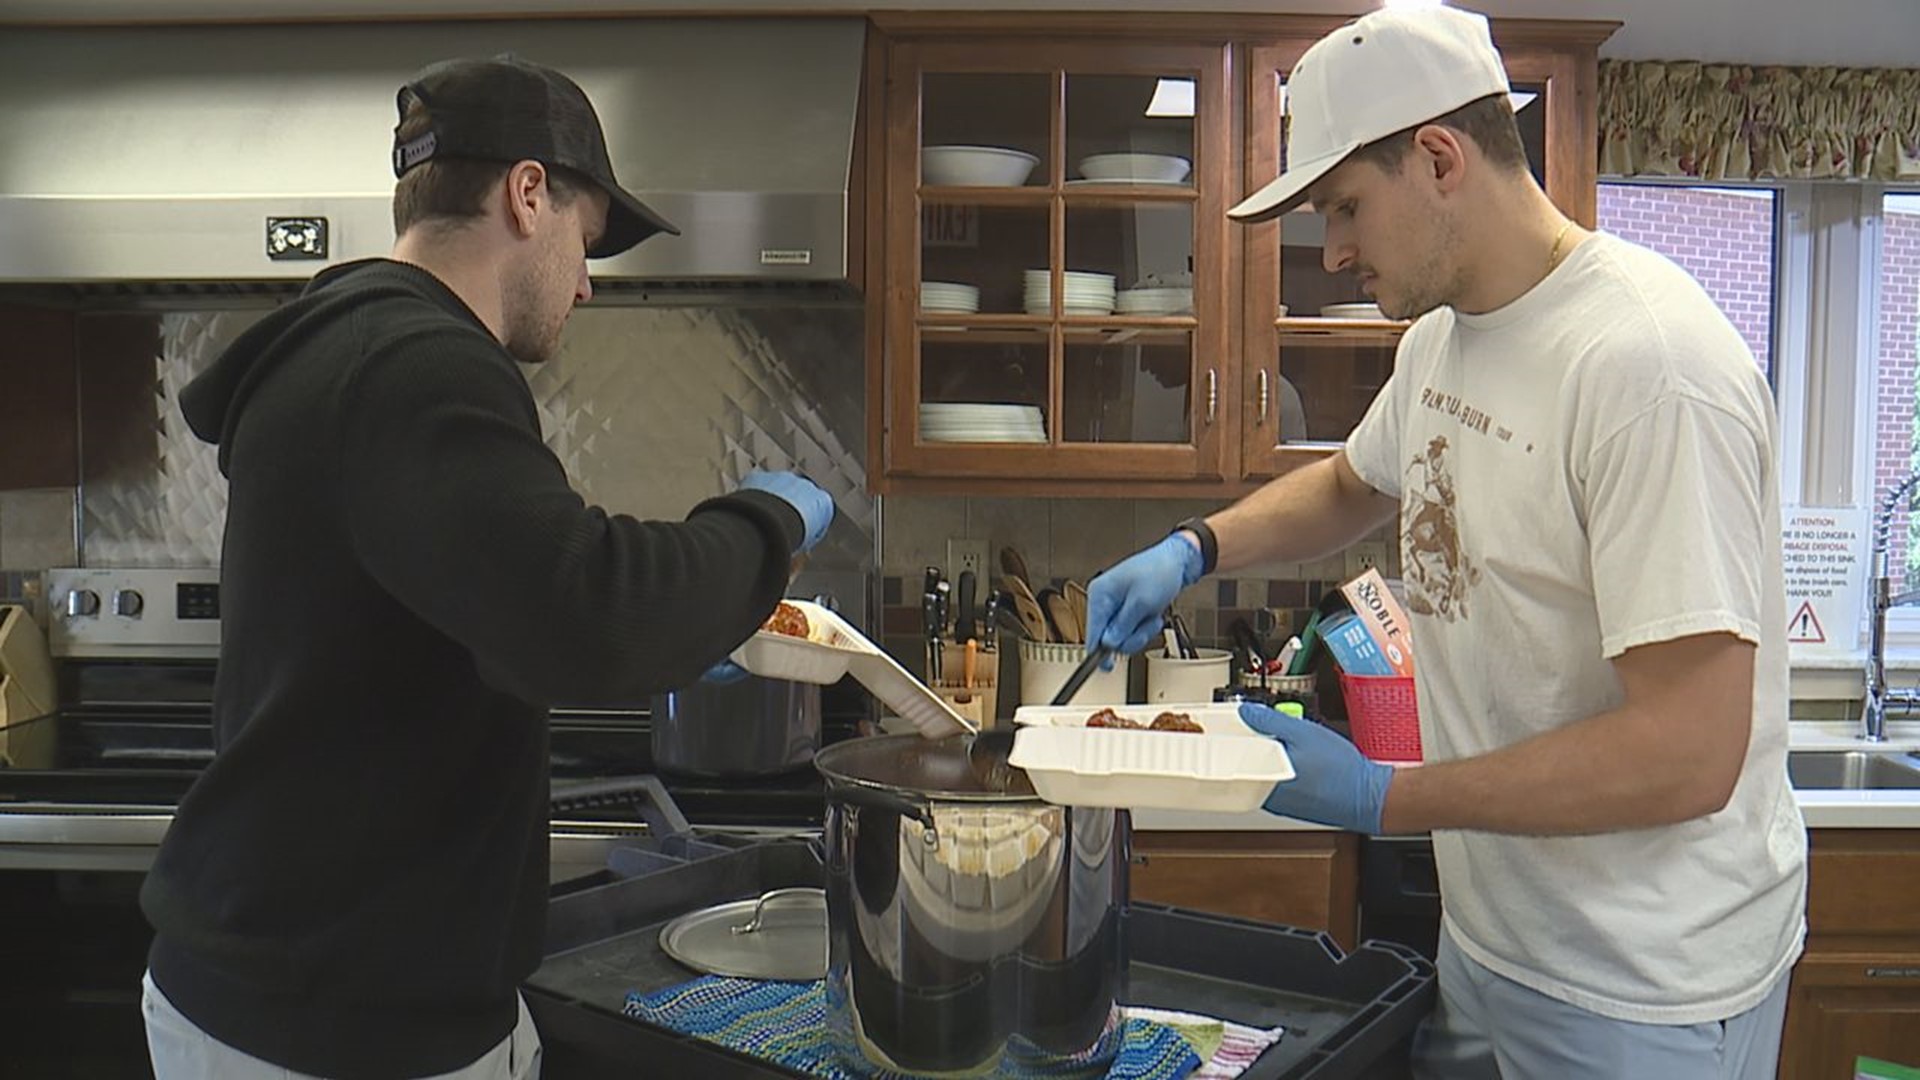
(1228, 769)
(836, 649)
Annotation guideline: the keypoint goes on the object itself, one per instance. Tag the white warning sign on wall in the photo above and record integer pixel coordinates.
(1824, 551)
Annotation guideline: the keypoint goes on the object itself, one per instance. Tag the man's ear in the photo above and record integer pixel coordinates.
(526, 189)
(1442, 153)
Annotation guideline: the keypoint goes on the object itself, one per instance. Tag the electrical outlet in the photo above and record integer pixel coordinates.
(1365, 555)
(971, 555)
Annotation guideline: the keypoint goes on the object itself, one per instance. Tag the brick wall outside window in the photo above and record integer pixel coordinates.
(1894, 435)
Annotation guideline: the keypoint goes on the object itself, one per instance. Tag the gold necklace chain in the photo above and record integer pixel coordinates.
(1553, 256)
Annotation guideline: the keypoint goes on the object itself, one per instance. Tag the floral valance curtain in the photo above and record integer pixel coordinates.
(1739, 122)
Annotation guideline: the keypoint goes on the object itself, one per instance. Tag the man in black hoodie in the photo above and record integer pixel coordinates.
(356, 886)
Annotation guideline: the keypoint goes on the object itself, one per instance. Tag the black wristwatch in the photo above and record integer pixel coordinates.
(1209, 543)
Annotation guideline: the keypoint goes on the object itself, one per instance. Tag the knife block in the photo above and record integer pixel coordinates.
(981, 701)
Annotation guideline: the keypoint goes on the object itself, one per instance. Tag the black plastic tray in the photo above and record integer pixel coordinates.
(1344, 1014)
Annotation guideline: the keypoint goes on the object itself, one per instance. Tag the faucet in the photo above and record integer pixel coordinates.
(1873, 711)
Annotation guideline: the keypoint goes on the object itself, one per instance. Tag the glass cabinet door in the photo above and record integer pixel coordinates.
(1063, 317)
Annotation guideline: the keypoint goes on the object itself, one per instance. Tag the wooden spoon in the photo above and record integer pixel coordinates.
(1027, 606)
(1076, 595)
(1060, 610)
(1012, 564)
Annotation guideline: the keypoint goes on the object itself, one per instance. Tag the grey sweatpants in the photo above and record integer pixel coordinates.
(1488, 1027)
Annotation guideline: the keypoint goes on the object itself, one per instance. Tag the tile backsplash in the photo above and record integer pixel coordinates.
(1061, 539)
(651, 409)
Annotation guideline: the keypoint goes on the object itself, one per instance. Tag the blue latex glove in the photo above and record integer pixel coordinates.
(724, 672)
(1333, 784)
(1124, 603)
(814, 506)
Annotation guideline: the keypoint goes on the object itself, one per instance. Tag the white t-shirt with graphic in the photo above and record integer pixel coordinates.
(1591, 468)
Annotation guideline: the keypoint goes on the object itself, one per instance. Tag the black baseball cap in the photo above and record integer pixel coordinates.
(503, 108)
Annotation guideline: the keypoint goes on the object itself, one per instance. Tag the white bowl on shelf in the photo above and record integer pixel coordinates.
(1352, 311)
(975, 166)
(1135, 168)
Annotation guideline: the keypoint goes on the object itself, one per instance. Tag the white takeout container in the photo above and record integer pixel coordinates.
(1149, 770)
(846, 650)
(1216, 718)
(783, 656)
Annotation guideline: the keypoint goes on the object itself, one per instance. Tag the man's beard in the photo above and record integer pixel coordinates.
(1436, 280)
(531, 338)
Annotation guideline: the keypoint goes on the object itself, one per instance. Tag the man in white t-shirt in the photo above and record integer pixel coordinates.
(1583, 459)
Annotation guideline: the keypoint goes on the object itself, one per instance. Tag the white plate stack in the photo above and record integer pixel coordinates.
(1155, 301)
(1086, 293)
(949, 298)
(965, 421)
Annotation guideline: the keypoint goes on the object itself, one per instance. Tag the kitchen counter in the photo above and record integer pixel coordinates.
(119, 837)
(1822, 809)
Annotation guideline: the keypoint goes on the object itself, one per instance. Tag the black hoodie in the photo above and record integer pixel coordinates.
(357, 884)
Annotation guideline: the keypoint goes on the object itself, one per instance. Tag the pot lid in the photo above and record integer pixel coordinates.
(779, 935)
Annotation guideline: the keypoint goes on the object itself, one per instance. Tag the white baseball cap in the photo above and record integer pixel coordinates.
(1384, 72)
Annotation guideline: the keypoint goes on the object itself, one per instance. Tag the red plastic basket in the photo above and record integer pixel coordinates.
(1382, 716)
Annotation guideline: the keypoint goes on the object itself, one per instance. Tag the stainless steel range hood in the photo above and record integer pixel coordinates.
(163, 153)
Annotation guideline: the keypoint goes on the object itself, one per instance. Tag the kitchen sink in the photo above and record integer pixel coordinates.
(1853, 770)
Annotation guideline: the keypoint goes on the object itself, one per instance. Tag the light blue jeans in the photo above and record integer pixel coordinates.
(181, 1051)
(1488, 1027)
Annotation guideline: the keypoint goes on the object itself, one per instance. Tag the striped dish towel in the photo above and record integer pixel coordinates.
(1226, 1049)
(785, 1023)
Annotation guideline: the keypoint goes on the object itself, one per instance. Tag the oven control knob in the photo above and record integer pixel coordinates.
(128, 602)
(83, 602)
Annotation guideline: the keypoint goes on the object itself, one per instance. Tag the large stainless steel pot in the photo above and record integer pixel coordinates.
(750, 727)
(970, 929)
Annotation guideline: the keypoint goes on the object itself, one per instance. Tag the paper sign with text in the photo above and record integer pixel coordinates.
(1824, 552)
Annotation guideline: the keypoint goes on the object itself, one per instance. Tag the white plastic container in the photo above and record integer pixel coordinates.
(1170, 678)
(1149, 770)
(1044, 667)
(913, 700)
(1221, 718)
(821, 658)
(843, 650)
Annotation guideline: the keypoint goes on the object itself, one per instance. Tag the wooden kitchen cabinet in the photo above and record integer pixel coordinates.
(1856, 990)
(39, 417)
(1309, 878)
(1206, 398)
